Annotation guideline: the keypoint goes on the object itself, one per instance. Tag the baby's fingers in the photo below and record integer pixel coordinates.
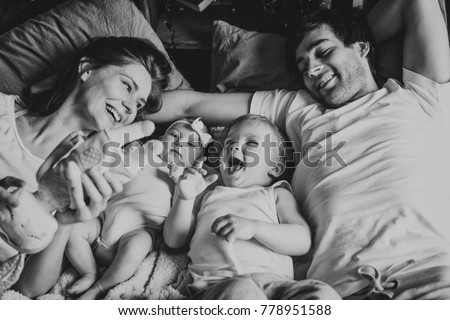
(219, 223)
(211, 179)
(192, 171)
(198, 163)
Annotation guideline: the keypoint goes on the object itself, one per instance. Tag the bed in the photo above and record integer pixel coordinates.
(40, 47)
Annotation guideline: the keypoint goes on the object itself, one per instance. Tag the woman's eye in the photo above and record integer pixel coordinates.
(253, 144)
(127, 86)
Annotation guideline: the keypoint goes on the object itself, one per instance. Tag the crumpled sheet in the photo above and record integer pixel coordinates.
(161, 276)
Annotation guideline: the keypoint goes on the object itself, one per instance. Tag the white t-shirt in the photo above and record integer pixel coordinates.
(374, 176)
(15, 159)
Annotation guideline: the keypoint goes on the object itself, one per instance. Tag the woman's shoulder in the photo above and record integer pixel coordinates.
(7, 104)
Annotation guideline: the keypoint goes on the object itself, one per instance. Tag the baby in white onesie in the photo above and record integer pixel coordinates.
(124, 233)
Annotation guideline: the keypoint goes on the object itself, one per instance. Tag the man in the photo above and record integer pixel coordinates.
(373, 180)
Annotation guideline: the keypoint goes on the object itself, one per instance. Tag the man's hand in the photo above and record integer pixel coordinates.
(231, 227)
(193, 181)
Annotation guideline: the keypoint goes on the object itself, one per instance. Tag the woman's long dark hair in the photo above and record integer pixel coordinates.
(102, 52)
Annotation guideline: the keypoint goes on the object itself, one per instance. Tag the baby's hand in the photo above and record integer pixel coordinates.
(175, 171)
(231, 227)
(193, 181)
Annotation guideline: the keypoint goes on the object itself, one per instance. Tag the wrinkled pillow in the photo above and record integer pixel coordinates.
(41, 47)
(249, 61)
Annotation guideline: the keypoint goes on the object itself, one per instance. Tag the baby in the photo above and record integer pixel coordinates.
(124, 233)
(245, 231)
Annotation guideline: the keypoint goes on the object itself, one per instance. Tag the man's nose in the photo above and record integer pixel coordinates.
(315, 70)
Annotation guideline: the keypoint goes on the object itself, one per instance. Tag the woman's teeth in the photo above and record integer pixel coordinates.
(113, 113)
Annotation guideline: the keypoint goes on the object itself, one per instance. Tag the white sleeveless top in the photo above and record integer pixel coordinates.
(215, 259)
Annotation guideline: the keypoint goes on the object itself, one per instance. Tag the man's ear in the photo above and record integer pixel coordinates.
(363, 48)
(84, 69)
(277, 170)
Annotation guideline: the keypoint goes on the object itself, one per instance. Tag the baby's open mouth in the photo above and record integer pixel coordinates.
(234, 165)
(113, 113)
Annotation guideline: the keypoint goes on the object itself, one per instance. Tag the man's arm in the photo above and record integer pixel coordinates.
(426, 48)
(214, 108)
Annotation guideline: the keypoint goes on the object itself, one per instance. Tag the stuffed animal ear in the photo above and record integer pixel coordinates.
(32, 227)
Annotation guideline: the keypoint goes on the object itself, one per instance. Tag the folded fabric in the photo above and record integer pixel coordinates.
(43, 46)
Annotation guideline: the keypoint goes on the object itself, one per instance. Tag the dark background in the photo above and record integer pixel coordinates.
(186, 33)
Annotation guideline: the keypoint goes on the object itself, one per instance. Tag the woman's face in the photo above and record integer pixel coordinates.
(110, 96)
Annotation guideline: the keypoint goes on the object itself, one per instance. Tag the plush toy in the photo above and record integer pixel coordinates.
(29, 227)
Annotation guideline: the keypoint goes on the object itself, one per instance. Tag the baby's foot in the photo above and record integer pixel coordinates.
(84, 283)
(92, 294)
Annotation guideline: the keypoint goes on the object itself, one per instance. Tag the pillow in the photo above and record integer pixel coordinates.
(248, 61)
(42, 46)
(390, 58)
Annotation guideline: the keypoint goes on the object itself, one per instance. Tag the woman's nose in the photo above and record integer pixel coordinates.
(129, 105)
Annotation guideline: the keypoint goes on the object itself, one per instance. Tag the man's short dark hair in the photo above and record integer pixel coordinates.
(349, 26)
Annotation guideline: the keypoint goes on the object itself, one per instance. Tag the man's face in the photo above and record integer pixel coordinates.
(333, 74)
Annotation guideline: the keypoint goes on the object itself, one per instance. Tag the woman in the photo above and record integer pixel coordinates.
(105, 87)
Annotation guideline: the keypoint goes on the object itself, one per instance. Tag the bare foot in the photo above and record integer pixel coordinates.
(84, 283)
(92, 294)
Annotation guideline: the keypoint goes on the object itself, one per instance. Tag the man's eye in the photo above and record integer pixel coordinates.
(253, 144)
(324, 53)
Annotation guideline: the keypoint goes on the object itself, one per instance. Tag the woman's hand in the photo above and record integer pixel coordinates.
(89, 192)
(231, 227)
(91, 183)
(6, 197)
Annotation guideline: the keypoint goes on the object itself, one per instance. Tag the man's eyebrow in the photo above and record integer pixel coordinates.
(310, 47)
